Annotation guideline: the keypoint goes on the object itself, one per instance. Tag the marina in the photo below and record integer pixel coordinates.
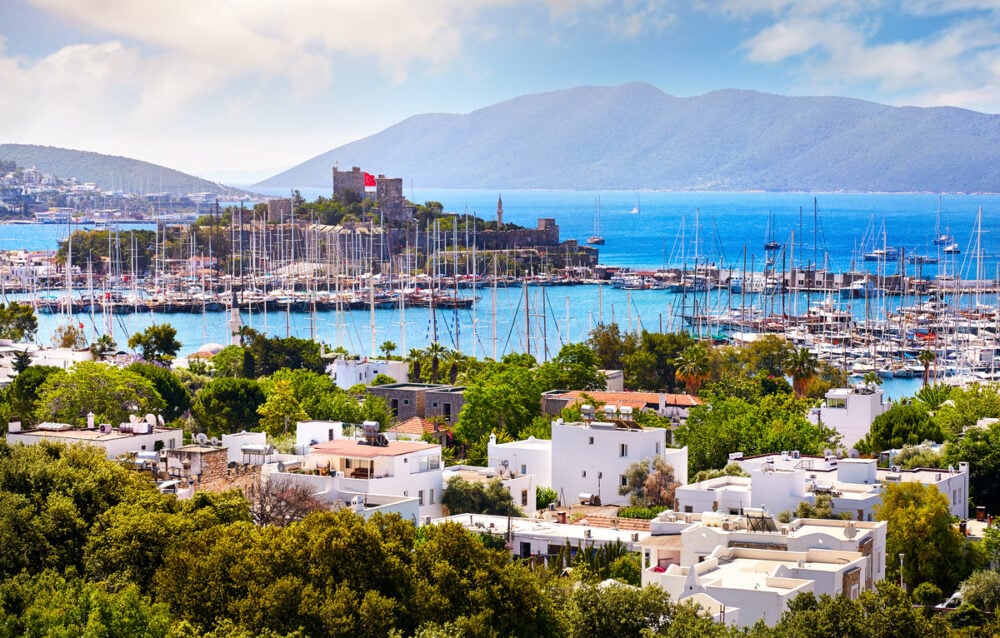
(866, 316)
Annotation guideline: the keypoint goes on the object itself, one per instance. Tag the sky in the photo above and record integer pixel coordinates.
(238, 90)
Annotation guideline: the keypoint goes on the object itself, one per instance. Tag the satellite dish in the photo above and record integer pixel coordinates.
(853, 453)
(151, 420)
(159, 419)
(827, 452)
(850, 531)
(215, 441)
(201, 438)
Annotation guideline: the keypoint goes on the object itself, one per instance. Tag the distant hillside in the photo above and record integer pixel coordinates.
(109, 172)
(637, 136)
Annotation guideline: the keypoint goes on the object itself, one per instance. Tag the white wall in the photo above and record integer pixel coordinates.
(312, 432)
(113, 446)
(591, 458)
(349, 372)
(233, 442)
(531, 456)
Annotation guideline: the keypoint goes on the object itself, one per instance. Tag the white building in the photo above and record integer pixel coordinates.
(309, 433)
(114, 441)
(756, 565)
(780, 482)
(530, 456)
(591, 458)
(350, 372)
(398, 468)
(545, 538)
(850, 411)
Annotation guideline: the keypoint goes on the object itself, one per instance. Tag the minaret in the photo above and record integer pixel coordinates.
(499, 212)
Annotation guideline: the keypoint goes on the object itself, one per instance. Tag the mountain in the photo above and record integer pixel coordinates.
(109, 172)
(636, 136)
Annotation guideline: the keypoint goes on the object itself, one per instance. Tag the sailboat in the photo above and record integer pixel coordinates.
(770, 244)
(945, 238)
(596, 238)
(635, 209)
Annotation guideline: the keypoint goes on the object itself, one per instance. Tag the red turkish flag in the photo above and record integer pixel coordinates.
(369, 182)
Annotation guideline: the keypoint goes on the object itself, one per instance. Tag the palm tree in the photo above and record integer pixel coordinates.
(414, 356)
(871, 379)
(801, 366)
(387, 348)
(927, 357)
(693, 367)
(436, 351)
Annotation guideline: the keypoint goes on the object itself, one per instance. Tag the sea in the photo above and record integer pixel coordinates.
(828, 230)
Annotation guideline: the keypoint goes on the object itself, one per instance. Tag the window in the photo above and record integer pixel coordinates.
(623, 480)
(524, 468)
(406, 493)
(687, 509)
(420, 498)
(623, 450)
(657, 447)
(591, 440)
(347, 464)
(583, 474)
(524, 498)
(434, 404)
(406, 402)
(432, 496)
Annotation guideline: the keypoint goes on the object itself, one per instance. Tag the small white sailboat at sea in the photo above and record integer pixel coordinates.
(635, 209)
(596, 238)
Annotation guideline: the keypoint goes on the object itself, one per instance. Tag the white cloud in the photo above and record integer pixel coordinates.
(842, 48)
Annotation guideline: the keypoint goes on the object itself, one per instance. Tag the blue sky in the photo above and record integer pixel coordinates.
(240, 89)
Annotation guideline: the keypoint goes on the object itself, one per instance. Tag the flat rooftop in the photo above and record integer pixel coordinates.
(355, 449)
(84, 435)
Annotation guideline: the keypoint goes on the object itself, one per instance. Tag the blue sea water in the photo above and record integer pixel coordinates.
(714, 227)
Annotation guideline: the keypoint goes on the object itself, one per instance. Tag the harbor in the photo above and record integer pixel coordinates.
(537, 285)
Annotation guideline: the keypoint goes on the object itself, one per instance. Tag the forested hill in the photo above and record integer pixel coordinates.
(635, 136)
(109, 172)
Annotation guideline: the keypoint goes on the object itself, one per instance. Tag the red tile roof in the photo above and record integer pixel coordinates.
(636, 399)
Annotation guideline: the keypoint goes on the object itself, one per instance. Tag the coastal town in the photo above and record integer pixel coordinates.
(731, 473)
(499, 319)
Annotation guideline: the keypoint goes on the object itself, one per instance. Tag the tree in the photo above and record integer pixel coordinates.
(650, 483)
(225, 406)
(69, 336)
(694, 366)
(280, 502)
(436, 351)
(618, 610)
(110, 393)
(414, 356)
(176, 398)
(773, 423)
(271, 354)
(157, 343)
(18, 322)
(927, 357)
(21, 361)
(233, 361)
(980, 448)
(507, 398)
(464, 497)
(104, 346)
(387, 348)
(982, 590)
(902, 424)
(544, 496)
(801, 366)
(22, 394)
(768, 354)
(280, 410)
(920, 527)
(607, 343)
(574, 368)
